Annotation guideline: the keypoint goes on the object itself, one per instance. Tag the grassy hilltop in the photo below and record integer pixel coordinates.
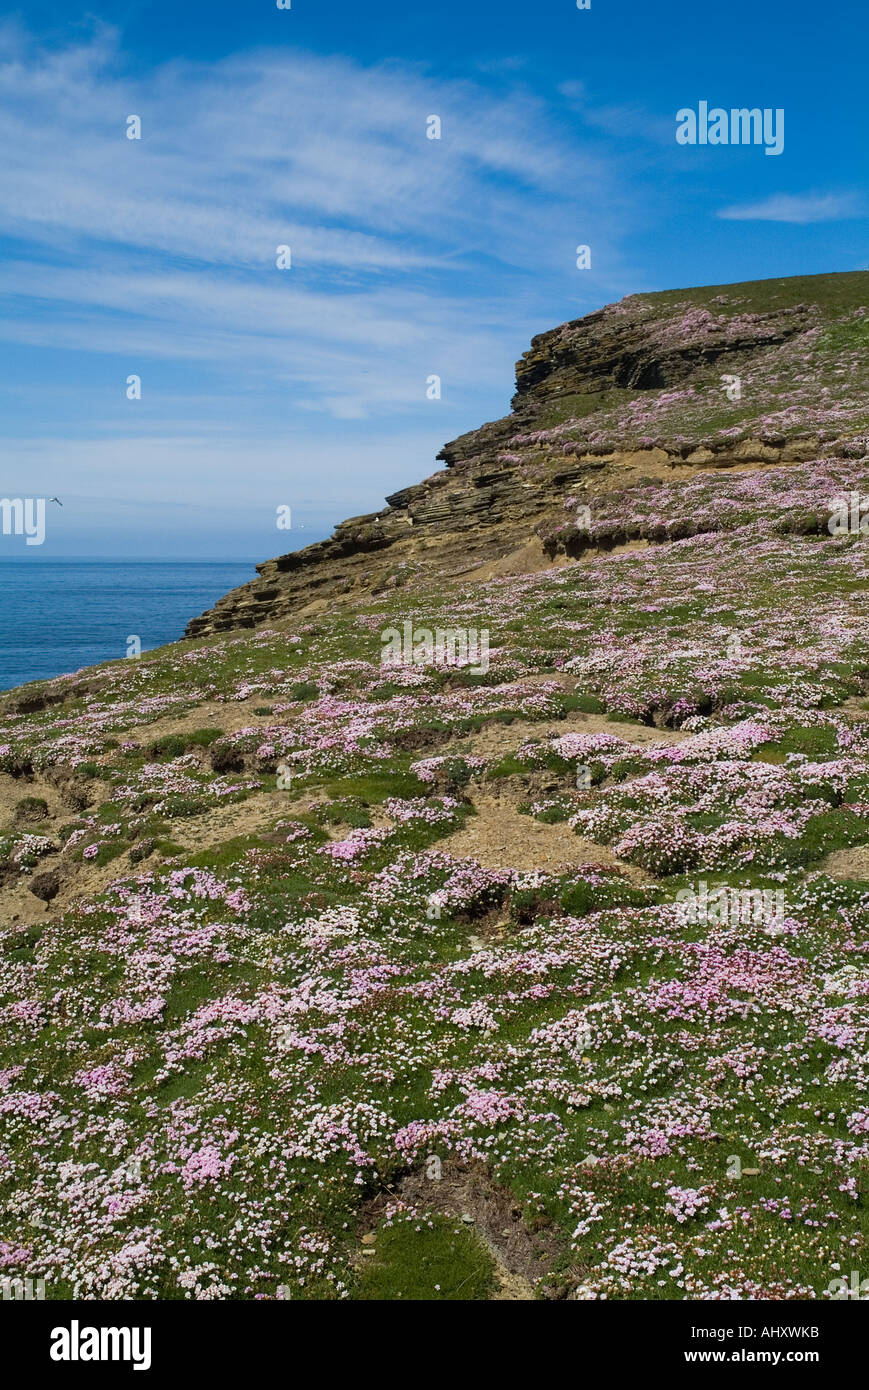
(325, 979)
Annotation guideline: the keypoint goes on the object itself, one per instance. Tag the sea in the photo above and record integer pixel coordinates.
(60, 615)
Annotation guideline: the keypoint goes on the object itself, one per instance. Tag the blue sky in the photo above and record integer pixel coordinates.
(411, 257)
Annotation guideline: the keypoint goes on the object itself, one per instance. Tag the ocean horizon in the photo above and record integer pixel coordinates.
(57, 616)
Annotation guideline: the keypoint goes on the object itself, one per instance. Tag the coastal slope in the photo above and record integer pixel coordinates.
(538, 975)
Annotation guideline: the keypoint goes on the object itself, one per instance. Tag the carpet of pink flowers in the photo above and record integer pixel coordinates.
(210, 1062)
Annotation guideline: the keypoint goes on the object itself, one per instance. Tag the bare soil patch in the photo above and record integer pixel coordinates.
(498, 837)
(852, 863)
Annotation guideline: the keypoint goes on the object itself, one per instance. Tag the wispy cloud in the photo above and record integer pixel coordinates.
(165, 247)
(788, 207)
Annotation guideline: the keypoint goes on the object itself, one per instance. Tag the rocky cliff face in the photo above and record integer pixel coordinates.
(647, 391)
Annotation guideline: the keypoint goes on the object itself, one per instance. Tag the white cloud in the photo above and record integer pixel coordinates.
(410, 255)
(800, 208)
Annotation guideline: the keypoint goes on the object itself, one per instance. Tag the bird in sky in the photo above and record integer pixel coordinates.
(57, 500)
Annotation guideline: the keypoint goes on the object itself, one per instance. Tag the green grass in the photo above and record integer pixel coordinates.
(586, 704)
(175, 745)
(371, 789)
(815, 743)
(225, 855)
(574, 405)
(441, 1262)
(835, 293)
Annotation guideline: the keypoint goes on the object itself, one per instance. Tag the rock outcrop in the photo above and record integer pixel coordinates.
(653, 388)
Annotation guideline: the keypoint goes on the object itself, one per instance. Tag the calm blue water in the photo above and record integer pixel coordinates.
(60, 615)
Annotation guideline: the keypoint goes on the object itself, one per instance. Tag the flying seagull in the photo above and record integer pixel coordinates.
(57, 500)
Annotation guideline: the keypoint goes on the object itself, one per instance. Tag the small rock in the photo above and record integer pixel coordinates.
(369, 1238)
(467, 1218)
